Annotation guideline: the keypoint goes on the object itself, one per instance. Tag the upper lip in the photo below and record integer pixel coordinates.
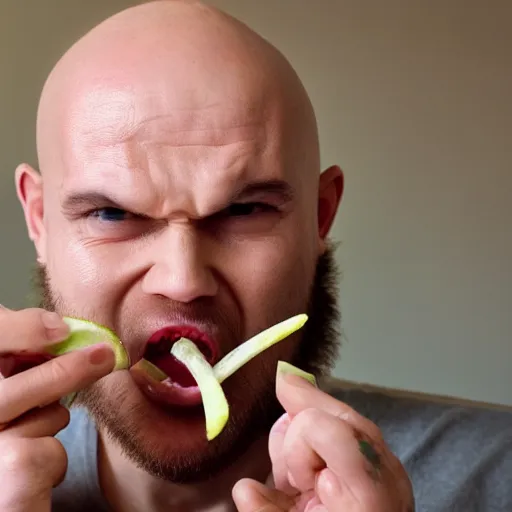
(194, 332)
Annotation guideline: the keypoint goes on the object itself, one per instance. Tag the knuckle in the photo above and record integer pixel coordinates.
(29, 467)
(375, 433)
(58, 369)
(57, 450)
(15, 456)
(307, 416)
(62, 416)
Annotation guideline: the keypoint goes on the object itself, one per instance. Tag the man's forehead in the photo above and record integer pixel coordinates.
(154, 83)
(113, 115)
(148, 145)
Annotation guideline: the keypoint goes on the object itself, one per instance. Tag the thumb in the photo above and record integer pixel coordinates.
(252, 496)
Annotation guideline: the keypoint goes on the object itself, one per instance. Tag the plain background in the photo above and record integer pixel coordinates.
(414, 102)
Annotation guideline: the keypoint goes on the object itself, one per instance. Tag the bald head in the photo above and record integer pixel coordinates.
(180, 184)
(202, 58)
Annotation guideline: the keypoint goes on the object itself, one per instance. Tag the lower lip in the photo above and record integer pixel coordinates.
(167, 392)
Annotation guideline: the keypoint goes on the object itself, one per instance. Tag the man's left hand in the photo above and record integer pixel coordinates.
(325, 458)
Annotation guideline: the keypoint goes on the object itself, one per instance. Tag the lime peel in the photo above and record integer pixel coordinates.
(285, 367)
(216, 407)
(255, 345)
(152, 370)
(83, 333)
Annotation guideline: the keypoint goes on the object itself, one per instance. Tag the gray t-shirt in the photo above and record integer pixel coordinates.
(459, 458)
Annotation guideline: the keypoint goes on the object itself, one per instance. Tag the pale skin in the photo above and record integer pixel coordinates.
(183, 160)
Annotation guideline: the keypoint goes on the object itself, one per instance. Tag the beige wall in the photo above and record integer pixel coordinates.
(413, 100)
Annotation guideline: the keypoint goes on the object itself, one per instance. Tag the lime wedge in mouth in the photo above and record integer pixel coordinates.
(84, 333)
(152, 370)
(209, 379)
(216, 408)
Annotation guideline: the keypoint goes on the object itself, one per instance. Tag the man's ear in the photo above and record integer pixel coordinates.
(329, 198)
(29, 187)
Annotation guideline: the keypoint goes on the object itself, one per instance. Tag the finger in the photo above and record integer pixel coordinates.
(252, 496)
(28, 469)
(30, 329)
(276, 452)
(317, 441)
(297, 394)
(44, 422)
(52, 380)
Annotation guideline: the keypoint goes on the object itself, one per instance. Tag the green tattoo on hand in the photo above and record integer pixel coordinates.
(371, 456)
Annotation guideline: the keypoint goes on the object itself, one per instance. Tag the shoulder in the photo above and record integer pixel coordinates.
(456, 452)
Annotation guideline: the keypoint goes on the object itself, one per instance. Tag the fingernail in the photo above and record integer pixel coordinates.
(100, 355)
(286, 369)
(56, 328)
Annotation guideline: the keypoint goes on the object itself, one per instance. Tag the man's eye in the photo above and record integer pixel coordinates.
(110, 214)
(245, 209)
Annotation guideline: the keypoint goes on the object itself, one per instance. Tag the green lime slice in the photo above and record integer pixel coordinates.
(284, 367)
(152, 370)
(255, 345)
(83, 333)
(215, 404)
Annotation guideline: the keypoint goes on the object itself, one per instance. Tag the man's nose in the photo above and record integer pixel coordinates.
(181, 266)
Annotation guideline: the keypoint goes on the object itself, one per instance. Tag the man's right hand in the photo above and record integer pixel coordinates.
(32, 460)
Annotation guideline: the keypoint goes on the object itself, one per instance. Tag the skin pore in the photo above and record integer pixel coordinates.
(180, 183)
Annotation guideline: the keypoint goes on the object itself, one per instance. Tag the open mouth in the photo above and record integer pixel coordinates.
(158, 352)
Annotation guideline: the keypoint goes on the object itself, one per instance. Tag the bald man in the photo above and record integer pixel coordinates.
(179, 193)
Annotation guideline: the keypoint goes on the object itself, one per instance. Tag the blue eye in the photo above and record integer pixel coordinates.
(110, 214)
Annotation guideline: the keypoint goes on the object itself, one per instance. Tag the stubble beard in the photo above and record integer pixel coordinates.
(123, 422)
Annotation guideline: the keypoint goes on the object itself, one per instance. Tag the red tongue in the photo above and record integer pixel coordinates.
(177, 371)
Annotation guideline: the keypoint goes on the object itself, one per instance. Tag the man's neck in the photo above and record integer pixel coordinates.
(129, 489)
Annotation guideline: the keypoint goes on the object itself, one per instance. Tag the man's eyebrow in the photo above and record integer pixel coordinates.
(282, 190)
(88, 200)
(78, 202)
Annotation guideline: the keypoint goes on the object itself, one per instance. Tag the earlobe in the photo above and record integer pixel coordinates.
(29, 187)
(330, 194)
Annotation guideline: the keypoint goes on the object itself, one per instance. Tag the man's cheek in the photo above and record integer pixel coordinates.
(80, 275)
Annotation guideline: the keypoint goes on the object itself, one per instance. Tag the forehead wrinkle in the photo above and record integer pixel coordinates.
(203, 176)
(117, 116)
(195, 181)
